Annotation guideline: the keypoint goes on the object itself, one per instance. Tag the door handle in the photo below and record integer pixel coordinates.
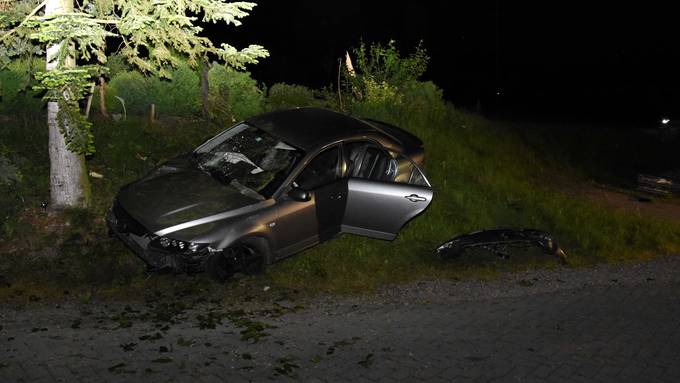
(415, 198)
(336, 196)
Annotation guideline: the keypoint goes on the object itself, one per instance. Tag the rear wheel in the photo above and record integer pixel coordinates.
(235, 258)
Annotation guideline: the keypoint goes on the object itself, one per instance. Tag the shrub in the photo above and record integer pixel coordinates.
(386, 85)
(179, 96)
(380, 72)
(16, 96)
(133, 88)
(422, 104)
(285, 96)
(234, 95)
(117, 63)
(8, 171)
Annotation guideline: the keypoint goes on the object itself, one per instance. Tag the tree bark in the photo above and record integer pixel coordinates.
(102, 97)
(205, 89)
(69, 183)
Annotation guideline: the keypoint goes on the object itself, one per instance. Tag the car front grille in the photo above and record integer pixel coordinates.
(125, 223)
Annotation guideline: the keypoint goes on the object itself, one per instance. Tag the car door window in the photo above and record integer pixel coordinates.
(354, 153)
(322, 170)
(368, 161)
(407, 172)
(376, 164)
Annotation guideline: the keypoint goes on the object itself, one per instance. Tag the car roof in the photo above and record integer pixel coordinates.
(309, 128)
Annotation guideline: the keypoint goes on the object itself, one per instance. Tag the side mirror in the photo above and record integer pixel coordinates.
(300, 195)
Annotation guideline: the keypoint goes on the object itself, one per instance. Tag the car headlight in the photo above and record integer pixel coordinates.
(170, 244)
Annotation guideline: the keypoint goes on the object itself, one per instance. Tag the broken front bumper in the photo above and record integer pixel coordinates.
(137, 238)
(499, 241)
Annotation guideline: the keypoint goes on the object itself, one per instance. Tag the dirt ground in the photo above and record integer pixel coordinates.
(667, 209)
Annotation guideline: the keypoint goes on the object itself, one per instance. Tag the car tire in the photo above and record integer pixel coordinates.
(244, 256)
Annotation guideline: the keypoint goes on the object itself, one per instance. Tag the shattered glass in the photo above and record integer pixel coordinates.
(249, 159)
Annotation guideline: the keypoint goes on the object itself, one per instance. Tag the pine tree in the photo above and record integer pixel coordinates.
(75, 37)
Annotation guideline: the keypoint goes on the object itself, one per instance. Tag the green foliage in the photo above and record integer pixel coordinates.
(285, 96)
(17, 44)
(67, 87)
(384, 64)
(178, 96)
(15, 98)
(416, 104)
(117, 63)
(233, 96)
(380, 73)
(77, 34)
(156, 37)
(163, 28)
(9, 173)
(22, 142)
(132, 87)
(12, 83)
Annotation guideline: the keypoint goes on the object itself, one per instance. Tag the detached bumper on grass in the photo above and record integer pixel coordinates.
(499, 241)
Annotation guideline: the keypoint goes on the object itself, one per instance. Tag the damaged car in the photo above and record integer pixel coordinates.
(271, 186)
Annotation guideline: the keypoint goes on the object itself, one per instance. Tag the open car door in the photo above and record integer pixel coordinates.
(386, 192)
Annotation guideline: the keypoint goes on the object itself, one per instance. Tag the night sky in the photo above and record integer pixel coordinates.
(561, 61)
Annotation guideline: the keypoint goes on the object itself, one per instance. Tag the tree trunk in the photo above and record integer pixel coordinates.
(69, 183)
(205, 89)
(102, 97)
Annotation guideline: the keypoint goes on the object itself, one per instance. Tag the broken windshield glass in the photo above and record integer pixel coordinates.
(248, 157)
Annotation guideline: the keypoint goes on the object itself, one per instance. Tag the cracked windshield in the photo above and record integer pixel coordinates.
(249, 159)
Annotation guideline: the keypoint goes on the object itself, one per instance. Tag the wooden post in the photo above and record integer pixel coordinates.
(89, 102)
(102, 97)
(152, 113)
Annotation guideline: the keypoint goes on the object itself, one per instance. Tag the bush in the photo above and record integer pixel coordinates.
(381, 73)
(117, 63)
(16, 96)
(285, 96)
(177, 96)
(133, 88)
(386, 85)
(234, 95)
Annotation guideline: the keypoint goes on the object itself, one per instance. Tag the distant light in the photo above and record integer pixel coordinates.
(665, 121)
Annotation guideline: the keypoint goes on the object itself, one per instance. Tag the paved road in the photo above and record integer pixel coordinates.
(607, 324)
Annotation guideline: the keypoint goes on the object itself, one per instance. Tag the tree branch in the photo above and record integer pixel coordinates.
(33, 12)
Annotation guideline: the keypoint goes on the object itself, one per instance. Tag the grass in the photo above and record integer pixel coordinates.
(484, 174)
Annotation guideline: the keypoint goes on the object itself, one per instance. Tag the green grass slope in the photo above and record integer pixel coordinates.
(484, 175)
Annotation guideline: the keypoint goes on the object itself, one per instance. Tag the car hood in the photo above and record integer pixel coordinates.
(178, 192)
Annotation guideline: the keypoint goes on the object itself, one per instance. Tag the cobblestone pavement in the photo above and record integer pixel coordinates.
(606, 324)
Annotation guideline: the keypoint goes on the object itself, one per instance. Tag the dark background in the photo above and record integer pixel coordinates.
(554, 60)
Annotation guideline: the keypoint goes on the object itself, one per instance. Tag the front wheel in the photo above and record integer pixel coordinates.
(238, 257)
